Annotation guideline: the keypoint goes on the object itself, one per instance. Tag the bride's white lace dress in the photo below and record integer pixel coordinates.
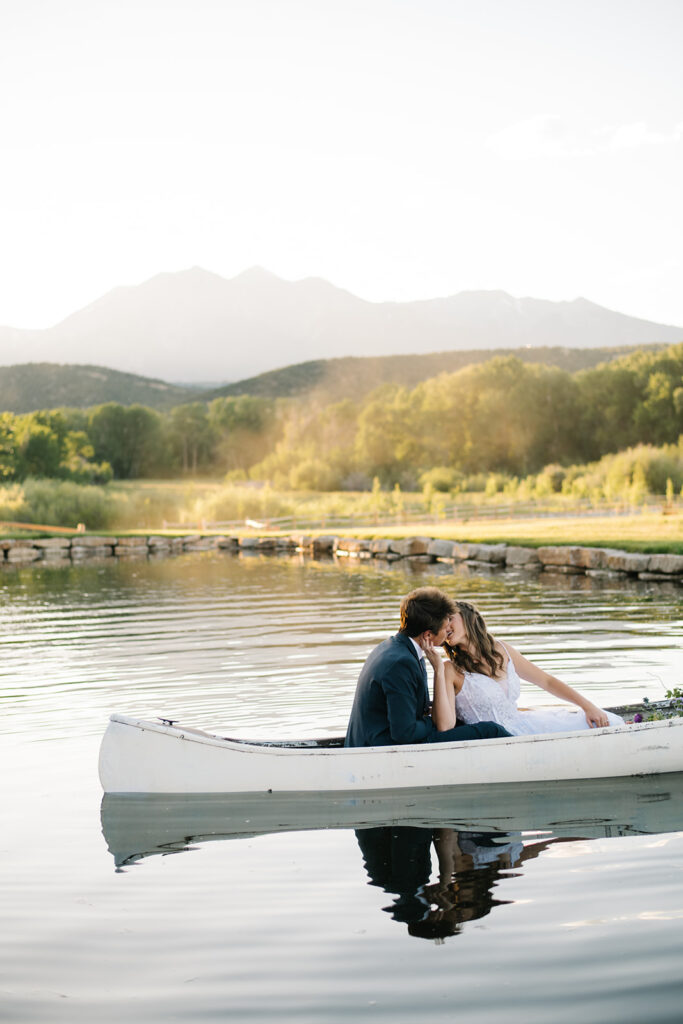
(482, 699)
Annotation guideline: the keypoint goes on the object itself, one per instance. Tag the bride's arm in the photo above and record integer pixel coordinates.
(446, 685)
(527, 670)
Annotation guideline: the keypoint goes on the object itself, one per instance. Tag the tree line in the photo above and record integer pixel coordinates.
(135, 442)
(503, 416)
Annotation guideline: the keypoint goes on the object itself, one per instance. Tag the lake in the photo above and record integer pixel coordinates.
(556, 903)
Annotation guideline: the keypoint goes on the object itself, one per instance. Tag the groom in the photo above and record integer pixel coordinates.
(392, 695)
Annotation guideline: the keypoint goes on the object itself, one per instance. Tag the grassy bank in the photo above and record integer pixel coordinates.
(651, 533)
(211, 505)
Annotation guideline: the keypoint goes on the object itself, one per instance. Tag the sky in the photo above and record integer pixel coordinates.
(401, 149)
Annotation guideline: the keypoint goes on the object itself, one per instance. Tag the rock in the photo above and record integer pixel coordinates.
(267, 543)
(381, 546)
(659, 577)
(100, 551)
(627, 561)
(411, 546)
(441, 549)
(670, 564)
(23, 553)
(228, 543)
(190, 538)
(124, 542)
(566, 570)
(284, 544)
(203, 544)
(594, 558)
(323, 545)
(462, 550)
(559, 555)
(490, 553)
(83, 540)
(248, 542)
(352, 546)
(130, 551)
(49, 543)
(521, 556)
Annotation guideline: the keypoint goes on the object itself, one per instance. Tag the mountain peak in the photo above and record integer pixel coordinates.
(194, 325)
(256, 274)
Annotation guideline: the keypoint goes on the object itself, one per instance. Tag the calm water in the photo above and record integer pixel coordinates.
(556, 903)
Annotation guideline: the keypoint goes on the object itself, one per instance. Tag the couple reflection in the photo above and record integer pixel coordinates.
(399, 860)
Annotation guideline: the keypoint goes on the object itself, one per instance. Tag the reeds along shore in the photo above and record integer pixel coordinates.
(567, 559)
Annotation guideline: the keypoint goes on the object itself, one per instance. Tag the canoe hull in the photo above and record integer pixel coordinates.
(138, 756)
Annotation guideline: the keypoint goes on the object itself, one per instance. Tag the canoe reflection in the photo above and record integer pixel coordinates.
(399, 861)
(137, 826)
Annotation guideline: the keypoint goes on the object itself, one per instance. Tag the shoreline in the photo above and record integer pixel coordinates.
(566, 559)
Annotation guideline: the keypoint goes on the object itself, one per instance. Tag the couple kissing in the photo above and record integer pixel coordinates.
(476, 688)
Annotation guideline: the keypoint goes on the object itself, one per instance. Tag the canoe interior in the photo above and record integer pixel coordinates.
(626, 711)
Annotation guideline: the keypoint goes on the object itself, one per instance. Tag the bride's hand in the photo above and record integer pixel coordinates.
(431, 652)
(596, 717)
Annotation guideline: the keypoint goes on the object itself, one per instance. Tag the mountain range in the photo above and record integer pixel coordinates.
(195, 326)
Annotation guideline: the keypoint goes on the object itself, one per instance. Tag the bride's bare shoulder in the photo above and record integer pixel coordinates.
(503, 650)
(454, 676)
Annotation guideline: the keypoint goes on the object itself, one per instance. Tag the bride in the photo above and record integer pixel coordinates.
(481, 682)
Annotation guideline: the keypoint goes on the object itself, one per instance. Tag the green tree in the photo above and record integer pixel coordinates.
(39, 448)
(244, 429)
(8, 447)
(130, 438)
(191, 435)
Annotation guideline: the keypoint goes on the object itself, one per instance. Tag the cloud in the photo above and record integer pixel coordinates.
(545, 135)
(550, 137)
(632, 136)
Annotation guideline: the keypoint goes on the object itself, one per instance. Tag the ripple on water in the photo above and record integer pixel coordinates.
(271, 644)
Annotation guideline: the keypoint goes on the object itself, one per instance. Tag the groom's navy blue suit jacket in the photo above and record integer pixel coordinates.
(391, 698)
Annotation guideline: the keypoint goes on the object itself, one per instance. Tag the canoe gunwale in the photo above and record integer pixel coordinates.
(298, 748)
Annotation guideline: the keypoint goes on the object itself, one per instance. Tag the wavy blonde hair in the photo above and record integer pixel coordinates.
(484, 657)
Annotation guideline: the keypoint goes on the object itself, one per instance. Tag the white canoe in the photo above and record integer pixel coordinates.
(139, 756)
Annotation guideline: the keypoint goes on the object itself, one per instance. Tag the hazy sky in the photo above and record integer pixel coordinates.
(401, 149)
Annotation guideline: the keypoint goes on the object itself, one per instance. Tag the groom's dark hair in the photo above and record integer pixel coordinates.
(425, 608)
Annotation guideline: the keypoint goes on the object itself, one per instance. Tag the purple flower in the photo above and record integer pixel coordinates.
(637, 718)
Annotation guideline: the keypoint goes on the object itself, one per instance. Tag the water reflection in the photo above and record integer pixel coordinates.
(399, 860)
(469, 867)
(138, 826)
(440, 854)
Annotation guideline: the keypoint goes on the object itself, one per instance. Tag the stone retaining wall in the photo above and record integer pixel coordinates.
(567, 559)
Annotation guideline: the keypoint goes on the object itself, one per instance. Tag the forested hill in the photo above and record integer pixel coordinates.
(32, 386)
(355, 376)
(28, 387)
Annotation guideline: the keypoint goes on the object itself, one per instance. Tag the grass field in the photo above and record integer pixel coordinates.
(646, 532)
(182, 506)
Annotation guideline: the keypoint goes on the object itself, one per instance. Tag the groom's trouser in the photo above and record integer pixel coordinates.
(479, 731)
